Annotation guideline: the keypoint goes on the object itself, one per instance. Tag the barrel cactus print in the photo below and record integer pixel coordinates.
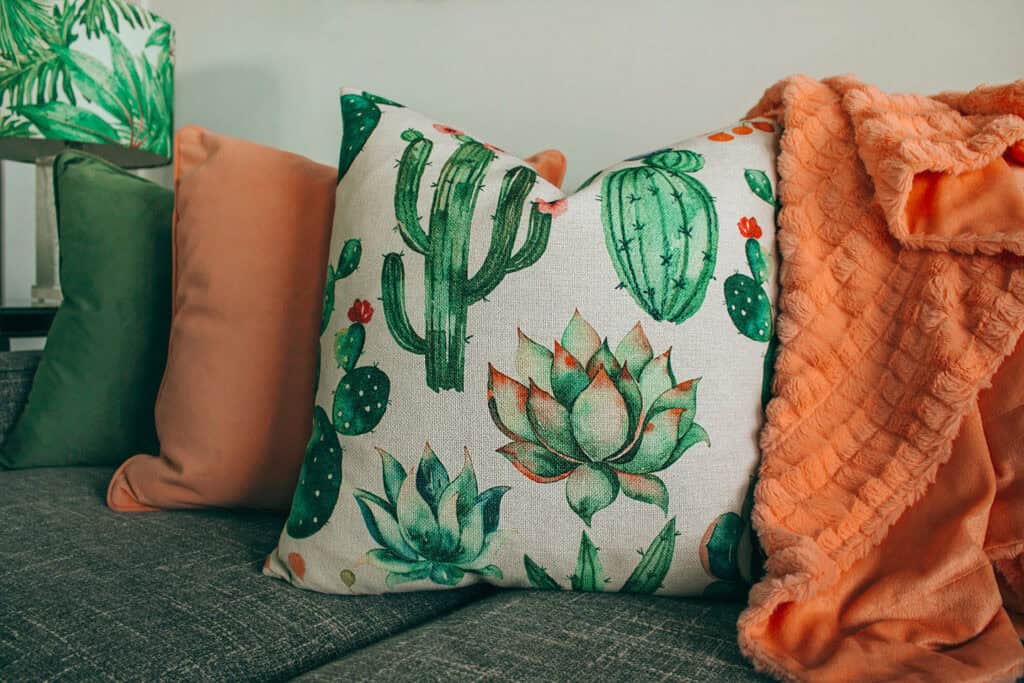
(661, 231)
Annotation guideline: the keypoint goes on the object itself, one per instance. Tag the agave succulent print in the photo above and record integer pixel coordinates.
(646, 577)
(45, 79)
(431, 527)
(604, 422)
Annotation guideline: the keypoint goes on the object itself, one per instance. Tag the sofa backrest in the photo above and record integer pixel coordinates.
(16, 371)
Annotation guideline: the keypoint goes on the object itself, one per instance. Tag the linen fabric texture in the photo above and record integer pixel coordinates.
(532, 389)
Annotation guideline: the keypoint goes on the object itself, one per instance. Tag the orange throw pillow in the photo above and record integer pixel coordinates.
(233, 414)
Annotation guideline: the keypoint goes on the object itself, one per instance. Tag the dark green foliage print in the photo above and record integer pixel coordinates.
(55, 87)
(661, 231)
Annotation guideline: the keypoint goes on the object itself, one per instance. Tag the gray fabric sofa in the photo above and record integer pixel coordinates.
(88, 594)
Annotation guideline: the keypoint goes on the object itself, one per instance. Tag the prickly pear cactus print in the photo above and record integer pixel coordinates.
(722, 552)
(746, 297)
(362, 394)
(319, 480)
(661, 231)
(348, 261)
(747, 301)
(359, 117)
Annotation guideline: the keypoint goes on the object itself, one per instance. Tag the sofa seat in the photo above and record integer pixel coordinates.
(540, 636)
(87, 594)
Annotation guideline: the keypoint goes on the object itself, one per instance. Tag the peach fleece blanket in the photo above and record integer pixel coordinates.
(891, 493)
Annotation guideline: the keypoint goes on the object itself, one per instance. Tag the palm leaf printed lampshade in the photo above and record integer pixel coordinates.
(94, 74)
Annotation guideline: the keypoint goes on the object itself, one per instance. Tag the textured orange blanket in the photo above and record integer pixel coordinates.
(891, 497)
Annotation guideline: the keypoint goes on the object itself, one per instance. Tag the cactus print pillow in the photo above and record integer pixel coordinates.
(532, 389)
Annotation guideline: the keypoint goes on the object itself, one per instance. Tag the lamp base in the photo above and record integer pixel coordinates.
(47, 287)
(46, 296)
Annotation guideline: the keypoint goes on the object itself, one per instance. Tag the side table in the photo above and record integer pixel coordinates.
(27, 320)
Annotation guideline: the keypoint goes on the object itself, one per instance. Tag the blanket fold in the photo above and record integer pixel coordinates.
(893, 451)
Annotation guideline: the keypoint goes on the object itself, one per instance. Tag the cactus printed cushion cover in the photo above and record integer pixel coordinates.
(533, 389)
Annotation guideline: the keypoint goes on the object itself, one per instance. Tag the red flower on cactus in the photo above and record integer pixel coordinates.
(555, 208)
(749, 228)
(360, 312)
(447, 130)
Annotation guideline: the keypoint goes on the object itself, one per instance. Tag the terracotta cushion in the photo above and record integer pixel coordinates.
(233, 414)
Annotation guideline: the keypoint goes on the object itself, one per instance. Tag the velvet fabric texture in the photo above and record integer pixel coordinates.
(251, 230)
(251, 225)
(891, 495)
(92, 400)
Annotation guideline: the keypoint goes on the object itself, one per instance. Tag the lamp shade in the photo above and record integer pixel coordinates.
(94, 74)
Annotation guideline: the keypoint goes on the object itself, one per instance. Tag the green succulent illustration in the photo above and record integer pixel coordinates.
(449, 289)
(359, 117)
(589, 576)
(431, 527)
(661, 231)
(721, 550)
(316, 493)
(604, 422)
(44, 80)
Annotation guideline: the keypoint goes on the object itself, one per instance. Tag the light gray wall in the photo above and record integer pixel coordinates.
(600, 79)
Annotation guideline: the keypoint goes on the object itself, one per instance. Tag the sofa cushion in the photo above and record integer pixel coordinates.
(92, 398)
(87, 594)
(514, 383)
(534, 636)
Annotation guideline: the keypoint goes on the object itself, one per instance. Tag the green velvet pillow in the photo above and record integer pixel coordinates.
(92, 399)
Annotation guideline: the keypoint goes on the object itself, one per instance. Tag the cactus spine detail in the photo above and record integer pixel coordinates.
(449, 289)
(661, 231)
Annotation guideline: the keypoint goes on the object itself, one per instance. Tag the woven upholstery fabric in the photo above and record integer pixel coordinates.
(16, 372)
(87, 594)
(543, 636)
